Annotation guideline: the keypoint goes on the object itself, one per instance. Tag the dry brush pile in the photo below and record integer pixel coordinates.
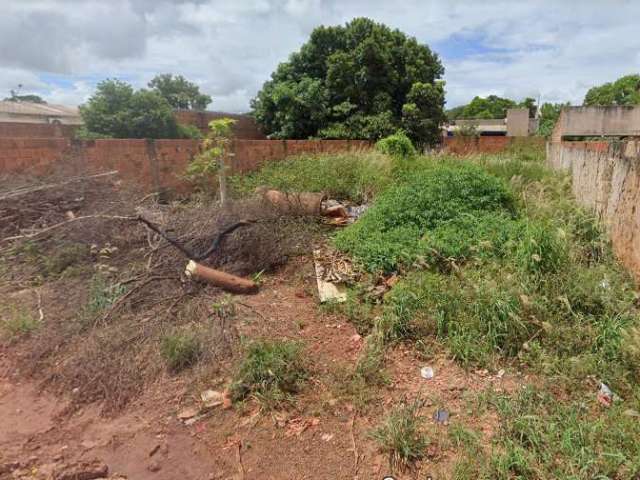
(118, 310)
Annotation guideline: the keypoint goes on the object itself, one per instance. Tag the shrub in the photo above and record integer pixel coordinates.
(17, 323)
(64, 256)
(397, 145)
(189, 131)
(102, 294)
(180, 350)
(399, 435)
(356, 176)
(542, 248)
(390, 233)
(271, 371)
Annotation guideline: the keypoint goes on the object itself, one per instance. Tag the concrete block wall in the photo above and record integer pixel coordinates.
(605, 179)
(489, 144)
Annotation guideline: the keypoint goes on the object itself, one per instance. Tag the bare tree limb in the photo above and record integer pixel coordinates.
(25, 190)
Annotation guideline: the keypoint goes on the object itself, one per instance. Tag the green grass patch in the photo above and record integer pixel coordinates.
(272, 371)
(542, 437)
(392, 232)
(400, 435)
(102, 294)
(180, 350)
(356, 176)
(17, 322)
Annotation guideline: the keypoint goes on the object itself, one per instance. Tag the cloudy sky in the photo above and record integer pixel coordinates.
(555, 49)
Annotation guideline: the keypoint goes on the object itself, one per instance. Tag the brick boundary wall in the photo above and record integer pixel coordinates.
(35, 130)
(605, 179)
(153, 165)
(245, 127)
(489, 144)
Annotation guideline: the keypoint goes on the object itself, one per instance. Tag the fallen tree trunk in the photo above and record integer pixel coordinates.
(304, 203)
(226, 281)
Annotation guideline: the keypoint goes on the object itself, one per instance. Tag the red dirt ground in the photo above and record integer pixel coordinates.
(313, 439)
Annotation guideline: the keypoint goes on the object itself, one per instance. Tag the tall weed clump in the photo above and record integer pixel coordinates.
(356, 176)
(392, 232)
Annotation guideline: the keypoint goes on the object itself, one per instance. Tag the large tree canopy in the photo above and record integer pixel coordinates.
(117, 110)
(361, 80)
(490, 107)
(179, 92)
(624, 91)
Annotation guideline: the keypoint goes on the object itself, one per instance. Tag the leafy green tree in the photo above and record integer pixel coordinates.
(624, 91)
(117, 110)
(491, 107)
(530, 104)
(353, 81)
(30, 98)
(422, 115)
(454, 113)
(549, 113)
(179, 92)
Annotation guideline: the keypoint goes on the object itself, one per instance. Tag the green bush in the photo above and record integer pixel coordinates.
(180, 350)
(271, 371)
(189, 131)
(391, 233)
(353, 176)
(397, 145)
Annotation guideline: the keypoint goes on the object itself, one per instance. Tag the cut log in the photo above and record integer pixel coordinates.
(305, 203)
(226, 281)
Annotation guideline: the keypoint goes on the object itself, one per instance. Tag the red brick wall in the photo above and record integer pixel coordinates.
(149, 164)
(245, 127)
(490, 144)
(35, 130)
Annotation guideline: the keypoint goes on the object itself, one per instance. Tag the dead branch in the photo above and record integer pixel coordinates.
(123, 298)
(67, 222)
(40, 311)
(356, 455)
(25, 190)
(240, 466)
(190, 254)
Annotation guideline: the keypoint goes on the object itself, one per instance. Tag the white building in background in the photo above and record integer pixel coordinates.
(27, 112)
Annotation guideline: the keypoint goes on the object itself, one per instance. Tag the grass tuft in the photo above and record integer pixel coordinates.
(180, 350)
(400, 436)
(272, 371)
(18, 323)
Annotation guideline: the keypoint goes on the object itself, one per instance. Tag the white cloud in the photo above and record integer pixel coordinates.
(548, 48)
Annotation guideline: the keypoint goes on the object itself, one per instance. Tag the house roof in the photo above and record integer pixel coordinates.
(42, 109)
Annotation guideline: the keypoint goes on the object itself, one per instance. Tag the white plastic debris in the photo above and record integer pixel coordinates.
(426, 373)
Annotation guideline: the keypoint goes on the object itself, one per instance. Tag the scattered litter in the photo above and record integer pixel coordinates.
(441, 416)
(500, 373)
(212, 398)
(630, 412)
(605, 396)
(188, 413)
(333, 273)
(327, 437)
(296, 426)
(426, 373)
